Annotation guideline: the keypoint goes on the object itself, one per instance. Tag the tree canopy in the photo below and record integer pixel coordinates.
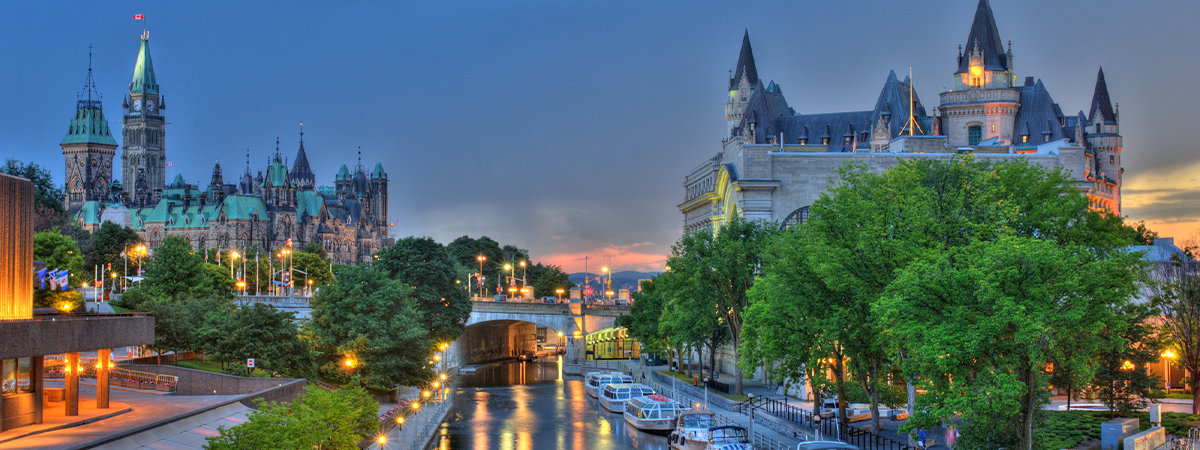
(427, 268)
(47, 196)
(375, 322)
(59, 253)
(320, 418)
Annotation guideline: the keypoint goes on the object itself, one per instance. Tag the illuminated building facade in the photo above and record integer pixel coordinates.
(776, 162)
(265, 210)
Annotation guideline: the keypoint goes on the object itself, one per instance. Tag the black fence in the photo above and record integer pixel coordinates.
(826, 424)
(718, 386)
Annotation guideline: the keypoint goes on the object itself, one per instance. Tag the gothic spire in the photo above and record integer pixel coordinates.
(89, 125)
(301, 174)
(986, 36)
(745, 65)
(143, 72)
(1101, 105)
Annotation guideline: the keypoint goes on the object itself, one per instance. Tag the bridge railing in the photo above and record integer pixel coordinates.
(277, 300)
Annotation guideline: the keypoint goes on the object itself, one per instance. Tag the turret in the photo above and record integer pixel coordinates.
(88, 149)
(742, 82)
(216, 188)
(144, 131)
(301, 175)
(986, 65)
(379, 195)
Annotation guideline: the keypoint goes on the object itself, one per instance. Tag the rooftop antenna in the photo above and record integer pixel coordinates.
(360, 158)
(912, 124)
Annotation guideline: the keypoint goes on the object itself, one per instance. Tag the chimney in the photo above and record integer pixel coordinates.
(1029, 81)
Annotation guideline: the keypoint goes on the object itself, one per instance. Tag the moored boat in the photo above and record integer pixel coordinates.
(652, 413)
(691, 429)
(595, 381)
(729, 437)
(614, 395)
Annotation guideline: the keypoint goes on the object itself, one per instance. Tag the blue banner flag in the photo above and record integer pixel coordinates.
(62, 279)
(41, 275)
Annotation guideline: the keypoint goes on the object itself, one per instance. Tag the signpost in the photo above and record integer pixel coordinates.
(250, 363)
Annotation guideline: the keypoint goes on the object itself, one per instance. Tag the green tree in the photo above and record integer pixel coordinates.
(258, 331)
(985, 320)
(795, 323)
(47, 196)
(721, 266)
(59, 253)
(371, 319)
(1122, 380)
(316, 267)
(645, 315)
(466, 251)
(427, 268)
(1143, 235)
(335, 420)
(177, 322)
(316, 248)
(547, 279)
(107, 244)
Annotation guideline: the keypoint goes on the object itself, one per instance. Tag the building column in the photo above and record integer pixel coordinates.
(38, 381)
(72, 384)
(103, 364)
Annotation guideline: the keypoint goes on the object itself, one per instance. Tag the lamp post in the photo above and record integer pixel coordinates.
(751, 395)
(479, 277)
(524, 284)
(705, 390)
(558, 294)
(1167, 356)
(511, 274)
(232, 256)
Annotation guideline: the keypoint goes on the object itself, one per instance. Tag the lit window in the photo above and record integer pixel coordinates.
(1112, 159)
(1024, 138)
(804, 142)
(993, 128)
(15, 375)
(824, 141)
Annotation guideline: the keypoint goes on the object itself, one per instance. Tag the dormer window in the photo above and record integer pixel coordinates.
(846, 140)
(864, 137)
(824, 141)
(804, 142)
(1024, 138)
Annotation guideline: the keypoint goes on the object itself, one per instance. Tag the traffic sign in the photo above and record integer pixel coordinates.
(250, 362)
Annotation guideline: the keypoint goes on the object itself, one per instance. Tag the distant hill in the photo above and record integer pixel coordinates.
(627, 279)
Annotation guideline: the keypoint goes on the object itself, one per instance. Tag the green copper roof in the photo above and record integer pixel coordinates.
(378, 172)
(276, 175)
(245, 207)
(308, 202)
(178, 183)
(143, 73)
(343, 173)
(90, 213)
(89, 127)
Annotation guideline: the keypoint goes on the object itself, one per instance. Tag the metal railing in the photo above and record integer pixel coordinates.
(825, 426)
(56, 368)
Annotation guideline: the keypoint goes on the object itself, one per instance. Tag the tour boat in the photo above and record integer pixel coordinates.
(691, 429)
(615, 395)
(596, 381)
(652, 413)
(729, 437)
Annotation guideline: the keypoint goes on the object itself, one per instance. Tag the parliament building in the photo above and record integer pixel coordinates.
(776, 162)
(267, 209)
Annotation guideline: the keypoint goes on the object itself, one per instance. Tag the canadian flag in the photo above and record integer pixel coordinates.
(139, 17)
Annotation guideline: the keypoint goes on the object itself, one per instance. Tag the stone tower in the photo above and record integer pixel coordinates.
(144, 131)
(984, 102)
(379, 194)
(88, 149)
(741, 85)
(1103, 132)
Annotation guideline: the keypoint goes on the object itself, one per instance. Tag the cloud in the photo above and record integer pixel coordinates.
(639, 257)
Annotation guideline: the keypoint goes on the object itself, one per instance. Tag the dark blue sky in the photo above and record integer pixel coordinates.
(567, 127)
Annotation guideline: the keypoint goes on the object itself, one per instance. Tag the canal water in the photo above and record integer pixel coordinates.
(533, 406)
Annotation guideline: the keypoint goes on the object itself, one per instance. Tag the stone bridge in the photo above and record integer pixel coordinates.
(498, 329)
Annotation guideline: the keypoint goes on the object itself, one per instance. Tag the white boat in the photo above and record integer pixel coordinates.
(652, 413)
(597, 380)
(729, 437)
(615, 395)
(691, 429)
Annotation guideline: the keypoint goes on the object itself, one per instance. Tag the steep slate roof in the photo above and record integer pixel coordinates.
(894, 98)
(89, 127)
(277, 174)
(143, 72)
(343, 173)
(764, 109)
(1100, 103)
(987, 36)
(378, 172)
(1038, 115)
(830, 125)
(301, 173)
(745, 65)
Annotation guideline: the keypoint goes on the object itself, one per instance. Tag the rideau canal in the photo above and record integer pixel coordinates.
(533, 406)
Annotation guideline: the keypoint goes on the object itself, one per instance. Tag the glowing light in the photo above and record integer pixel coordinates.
(382, 440)
(349, 362)
(1169, 354)
(443, 377)
(399, 421)
(1128, 365)
(416, 405)
(425, 394)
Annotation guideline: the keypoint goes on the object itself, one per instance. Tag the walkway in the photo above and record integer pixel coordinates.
(145, 410)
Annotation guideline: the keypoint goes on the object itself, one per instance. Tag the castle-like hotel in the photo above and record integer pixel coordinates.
(266, 210)
(775, 163)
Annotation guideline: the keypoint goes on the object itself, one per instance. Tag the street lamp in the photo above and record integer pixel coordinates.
(1167, 357)
(232, 256)
(481, 259)
(558, 294)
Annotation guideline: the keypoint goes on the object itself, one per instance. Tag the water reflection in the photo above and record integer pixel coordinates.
(533, 406)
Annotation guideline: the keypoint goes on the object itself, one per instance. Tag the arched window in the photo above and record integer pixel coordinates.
(797, 217)
(974, 134)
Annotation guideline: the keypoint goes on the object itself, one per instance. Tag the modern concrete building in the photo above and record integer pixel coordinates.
(26, 337)
(775, 162)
